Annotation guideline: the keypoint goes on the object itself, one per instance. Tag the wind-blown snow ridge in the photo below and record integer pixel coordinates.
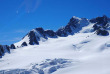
(46, 67)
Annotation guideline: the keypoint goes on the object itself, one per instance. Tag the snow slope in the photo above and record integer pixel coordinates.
(87, 52)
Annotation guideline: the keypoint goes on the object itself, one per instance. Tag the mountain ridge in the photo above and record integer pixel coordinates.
(74, 25)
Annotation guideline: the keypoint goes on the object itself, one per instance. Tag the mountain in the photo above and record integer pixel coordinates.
(39, 34)
(80, 47)
(100, 24)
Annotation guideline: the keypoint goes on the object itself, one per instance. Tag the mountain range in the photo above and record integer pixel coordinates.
(101, 25)
(80, 36)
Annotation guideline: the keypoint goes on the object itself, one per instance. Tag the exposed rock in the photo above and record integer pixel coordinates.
(4, 49)
(61, 32)
(24, 44)
(1, 49)
(96, 27)
(32, 38)
(8, 48)
(12, 46)
(101, 25)
(65, 31)
(75, 25)
(100, 22)
(41, 32)
(102, 32)
(50, 33)
(74, 21)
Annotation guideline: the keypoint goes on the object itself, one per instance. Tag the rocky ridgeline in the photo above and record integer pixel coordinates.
(75, 24)
(5, 49)
(101, 27)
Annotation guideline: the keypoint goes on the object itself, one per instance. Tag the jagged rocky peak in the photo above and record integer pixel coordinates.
(73, 21)
(37, 35)
(100, 20)
(32, 38)
(64, 31)
(101, 25)
(74, 25)
(41, 32)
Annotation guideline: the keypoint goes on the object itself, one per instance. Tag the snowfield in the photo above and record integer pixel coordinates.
(82, 53)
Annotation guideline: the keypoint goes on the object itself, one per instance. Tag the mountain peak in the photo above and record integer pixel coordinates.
(74, 17)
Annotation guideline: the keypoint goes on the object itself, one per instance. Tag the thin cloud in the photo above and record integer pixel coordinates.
(29, 5)
(14, 39)
(21, 31)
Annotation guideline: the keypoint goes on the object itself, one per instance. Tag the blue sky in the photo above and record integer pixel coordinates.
(17, 17)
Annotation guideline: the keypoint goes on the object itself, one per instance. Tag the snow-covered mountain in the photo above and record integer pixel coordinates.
(81, 47)
(74, 26)
(39, 34)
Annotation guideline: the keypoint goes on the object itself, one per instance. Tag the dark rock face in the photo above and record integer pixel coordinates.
(24, 44)
(12, 46)
(1, 49)
(101, 23)
(4, 49)
(50, 33)
(32, 38)
(8, 48)
(35, 38)
(61, 32)
(102, 32)
(67, 30)
(96, 27)
(73, 22)
(41, 31)
(100, 20)
(0, 54)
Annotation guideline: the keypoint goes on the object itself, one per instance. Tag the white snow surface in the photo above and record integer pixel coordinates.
(26, 39)
(87, 53)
